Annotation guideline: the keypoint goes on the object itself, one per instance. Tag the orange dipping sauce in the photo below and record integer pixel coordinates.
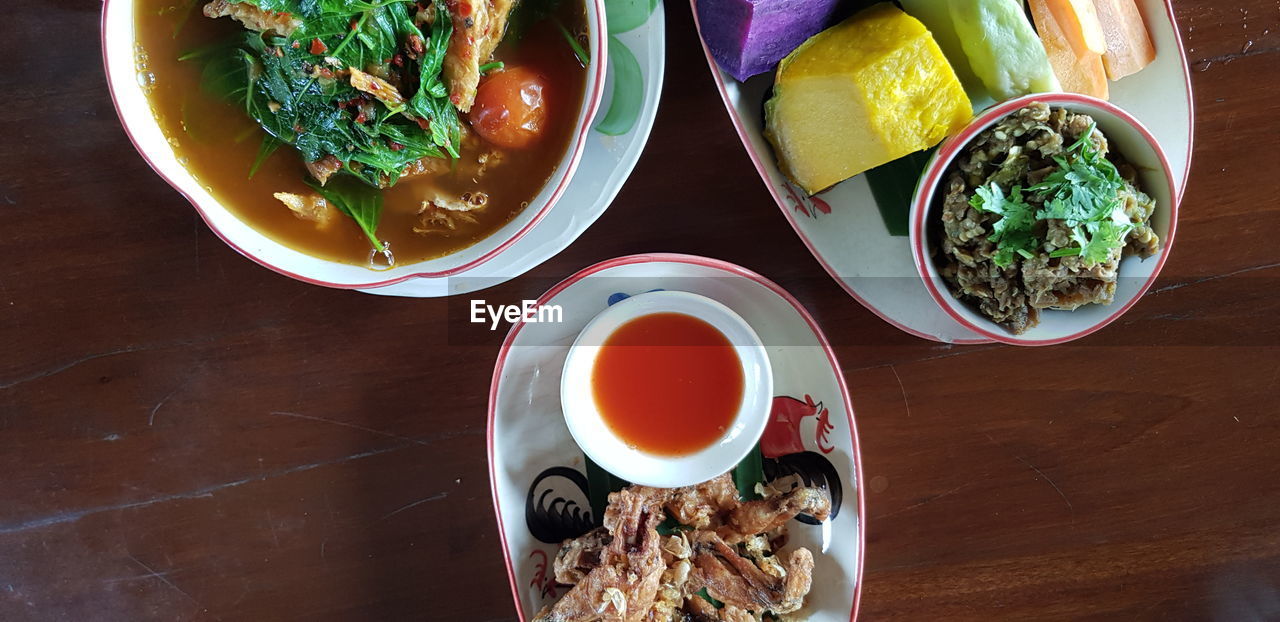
(667, 383)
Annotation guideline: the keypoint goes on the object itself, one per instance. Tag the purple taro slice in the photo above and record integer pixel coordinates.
(749, 37)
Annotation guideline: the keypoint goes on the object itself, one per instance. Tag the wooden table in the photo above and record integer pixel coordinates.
(185, 435)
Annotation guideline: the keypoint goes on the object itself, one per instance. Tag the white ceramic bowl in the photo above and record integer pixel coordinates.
(593, 435)
(1126, 136)
(119, 45)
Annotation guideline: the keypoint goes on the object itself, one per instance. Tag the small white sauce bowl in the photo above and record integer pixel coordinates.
(1125, 136)
(613, 454)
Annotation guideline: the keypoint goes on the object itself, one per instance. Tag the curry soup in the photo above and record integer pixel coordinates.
(219, 143)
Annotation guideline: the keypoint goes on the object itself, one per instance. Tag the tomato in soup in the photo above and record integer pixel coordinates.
(668, 384)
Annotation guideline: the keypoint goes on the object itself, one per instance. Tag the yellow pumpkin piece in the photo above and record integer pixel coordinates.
(1077, 73)
(936, 16)
(862, 93)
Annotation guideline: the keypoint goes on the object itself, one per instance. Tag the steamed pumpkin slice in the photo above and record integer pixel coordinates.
(1077, 72)
(1129, 47)
(936, 16)
(862, 93)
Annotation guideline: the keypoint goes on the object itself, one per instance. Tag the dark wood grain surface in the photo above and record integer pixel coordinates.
(185, 435)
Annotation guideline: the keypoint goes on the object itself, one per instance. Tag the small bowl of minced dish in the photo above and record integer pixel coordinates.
(1045, 219)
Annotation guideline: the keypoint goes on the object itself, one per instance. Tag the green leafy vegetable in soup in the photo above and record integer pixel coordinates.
(358, 82)
(382, 122)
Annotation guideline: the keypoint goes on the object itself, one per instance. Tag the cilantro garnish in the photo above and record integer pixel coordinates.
(1083, 192)
(1013, 232)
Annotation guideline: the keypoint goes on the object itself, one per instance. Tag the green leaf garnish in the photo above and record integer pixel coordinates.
(748, 473)
(707, 597)
(269, 145)
(1082, 192)
(529, 12)
(305, 99)
(578, 50)
(1013, 233)
(671, 526)
(302, 99)
(892, 185)
(360, 202)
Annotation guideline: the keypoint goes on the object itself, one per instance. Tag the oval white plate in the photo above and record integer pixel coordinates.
(606, 163)
(842, 226)
(536, 471)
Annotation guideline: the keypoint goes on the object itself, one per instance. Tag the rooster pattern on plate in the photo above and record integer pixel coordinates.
(802, 202)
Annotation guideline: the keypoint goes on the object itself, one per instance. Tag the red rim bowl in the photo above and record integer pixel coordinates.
(120, 61)
(1126, 136)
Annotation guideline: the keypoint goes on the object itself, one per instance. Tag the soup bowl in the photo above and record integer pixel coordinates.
(1127, 137)
(606, 448)
(126, 79)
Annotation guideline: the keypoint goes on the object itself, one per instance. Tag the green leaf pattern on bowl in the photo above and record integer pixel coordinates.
(627, 98)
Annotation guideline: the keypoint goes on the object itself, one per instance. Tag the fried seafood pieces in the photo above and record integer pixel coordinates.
(253, 17)
(738, 580)
(627, 571)
(766, 515)
(478, 27)
(624, 586)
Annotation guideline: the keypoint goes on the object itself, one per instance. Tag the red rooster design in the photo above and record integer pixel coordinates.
(808, 205)
(782, 434)
(545, 584)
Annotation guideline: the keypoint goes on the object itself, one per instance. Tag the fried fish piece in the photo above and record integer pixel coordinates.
(377, 87)
(253, 17)
(309, 207)
(581, 555)
(478, 27)
(698, 609)
(428, 166)
(671, 588)
(623, 588)
(324, 168)
(764, 515)
(444, 213)
(626, 572)
(736, 580)
(701, 504)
